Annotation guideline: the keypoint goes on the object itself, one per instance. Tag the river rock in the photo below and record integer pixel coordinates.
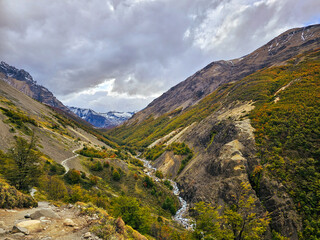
(44, 213)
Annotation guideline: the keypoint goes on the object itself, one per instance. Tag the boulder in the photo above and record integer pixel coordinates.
(87, 235)
(46, 212)
(27, 227)
(69, 222)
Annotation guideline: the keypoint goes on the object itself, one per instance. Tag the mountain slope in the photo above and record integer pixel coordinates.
(45, 152)
(205, 81)
(262, 129)
(23, 81)
(102, 120)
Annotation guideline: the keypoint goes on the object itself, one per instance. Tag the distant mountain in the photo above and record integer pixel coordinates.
(23, 81)
(101, 120)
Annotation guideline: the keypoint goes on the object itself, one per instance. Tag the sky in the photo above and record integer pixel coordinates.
(121, 54)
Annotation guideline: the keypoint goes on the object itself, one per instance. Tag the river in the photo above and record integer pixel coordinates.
(182, 214)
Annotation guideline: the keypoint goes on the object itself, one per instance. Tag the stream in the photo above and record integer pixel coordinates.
(182, 213)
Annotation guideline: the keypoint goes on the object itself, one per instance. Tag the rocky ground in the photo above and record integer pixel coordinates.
(46, 222)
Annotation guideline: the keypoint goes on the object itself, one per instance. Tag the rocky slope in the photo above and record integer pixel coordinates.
(66, 222)
(23, 81)
(205, 81)
(101, 120)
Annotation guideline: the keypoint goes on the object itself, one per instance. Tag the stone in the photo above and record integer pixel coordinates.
(27, 216)
(87, 235)
(19, 234)
(27, 227)
(70, 206)
(2, 231)
(44, 213)
(3, 225)
(68, 222)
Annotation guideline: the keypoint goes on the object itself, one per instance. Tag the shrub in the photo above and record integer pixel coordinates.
(106, 164)
(116, 175)
(73, 176)
(56, 188)
(96, 166)
(148, 182)
(159, 174)
(169, 205)
(132, 213)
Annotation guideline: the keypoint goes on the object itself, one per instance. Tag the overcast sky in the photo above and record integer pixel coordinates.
(121, 54)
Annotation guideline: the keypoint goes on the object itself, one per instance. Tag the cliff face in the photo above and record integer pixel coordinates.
(205, 81)
(23, 81)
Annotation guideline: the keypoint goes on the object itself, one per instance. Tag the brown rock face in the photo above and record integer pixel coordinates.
(23, 81)
(205, 81)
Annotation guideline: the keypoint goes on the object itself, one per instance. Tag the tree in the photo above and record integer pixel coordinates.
(56, 188)
(73, 176)
(169, 205)
(24, 169)
(129, 209)
(240, 221)
(116, 175)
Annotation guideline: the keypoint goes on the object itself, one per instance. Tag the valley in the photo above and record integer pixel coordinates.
(232, 152)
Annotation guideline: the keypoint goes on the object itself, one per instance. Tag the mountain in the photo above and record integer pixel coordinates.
(102, 120)
(208, 79)
(251, 122)
(50, 157)
(23, 81)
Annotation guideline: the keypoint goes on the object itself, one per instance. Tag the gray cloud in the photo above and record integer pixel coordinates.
(146, 46)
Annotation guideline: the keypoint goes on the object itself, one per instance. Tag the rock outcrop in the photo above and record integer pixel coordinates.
(23, 81)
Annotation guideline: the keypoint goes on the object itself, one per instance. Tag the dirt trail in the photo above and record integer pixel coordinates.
(65, 162)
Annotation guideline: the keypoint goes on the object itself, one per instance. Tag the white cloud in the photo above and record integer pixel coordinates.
(75, 48)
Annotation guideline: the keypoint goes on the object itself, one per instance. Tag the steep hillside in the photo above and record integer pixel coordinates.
(262, 129)
(23, 81)
(47, 157)
(101, 120)
(205, 81)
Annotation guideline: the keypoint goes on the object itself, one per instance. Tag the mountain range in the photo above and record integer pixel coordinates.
(102, 120)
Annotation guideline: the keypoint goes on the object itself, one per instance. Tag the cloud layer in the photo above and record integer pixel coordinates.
(120, 54)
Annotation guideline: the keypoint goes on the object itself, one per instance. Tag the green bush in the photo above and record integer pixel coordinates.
(169, 205)
(73, 176)
(116, 175)
(148, 182)
(132, 213)
(96, 166)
